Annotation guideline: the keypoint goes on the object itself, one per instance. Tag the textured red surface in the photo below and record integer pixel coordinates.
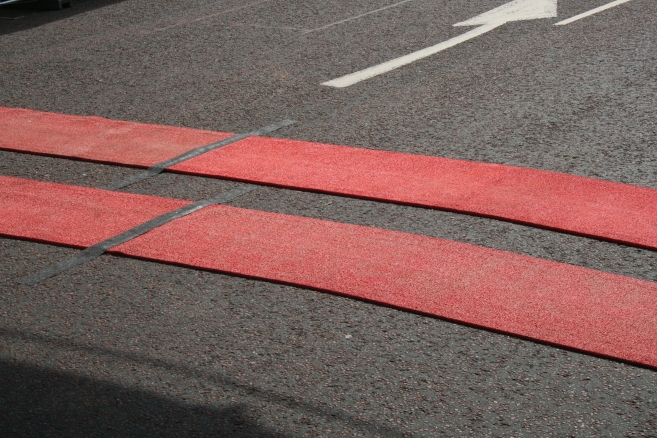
(586, 206)
(590, 207)
(96, 138)
(565, 305)
(72, 216)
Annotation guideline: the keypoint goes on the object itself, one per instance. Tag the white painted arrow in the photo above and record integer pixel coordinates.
(516, 10)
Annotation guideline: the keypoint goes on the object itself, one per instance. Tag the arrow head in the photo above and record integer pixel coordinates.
(516, 10)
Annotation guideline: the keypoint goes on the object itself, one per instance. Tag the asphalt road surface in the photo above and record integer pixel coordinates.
(122, 347)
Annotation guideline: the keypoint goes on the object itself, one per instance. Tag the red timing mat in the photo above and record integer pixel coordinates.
(585, 206)
(97, 139)
(560, 304)
(70, 215)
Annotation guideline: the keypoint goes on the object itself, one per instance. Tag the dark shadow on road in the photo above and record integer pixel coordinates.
(224, 381)
(40, 402)
(14, 18)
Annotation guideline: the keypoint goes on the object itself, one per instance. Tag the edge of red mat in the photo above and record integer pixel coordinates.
(365, 300)
(357, 293)
(363, 197)
(428, 207)
(66, 157)
(402, 308)
(529, 223)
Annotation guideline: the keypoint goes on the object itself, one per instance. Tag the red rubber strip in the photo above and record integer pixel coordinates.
(97, 139)
(585, 206)
(70, 215)
(564, 305)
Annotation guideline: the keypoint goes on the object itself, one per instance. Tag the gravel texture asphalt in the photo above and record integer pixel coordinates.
(123, 347)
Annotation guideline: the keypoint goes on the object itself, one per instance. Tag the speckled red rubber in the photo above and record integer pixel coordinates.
(590, 207)
(70, 215)
(97, 139)
(563, 305)
(595, 208)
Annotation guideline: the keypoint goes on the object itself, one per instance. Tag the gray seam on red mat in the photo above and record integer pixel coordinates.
(160, 167)
(98, 249)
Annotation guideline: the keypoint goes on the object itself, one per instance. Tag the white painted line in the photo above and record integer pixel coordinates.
(355, 17)
(515, 10)
(359, 76)
(205, 17)
(591, 12)
(261, 26)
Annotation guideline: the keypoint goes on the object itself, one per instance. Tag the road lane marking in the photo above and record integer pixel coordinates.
(205, 17)
(513, 11)
(359, 76)
(355, 17)
(591, 12)
(262, 26)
